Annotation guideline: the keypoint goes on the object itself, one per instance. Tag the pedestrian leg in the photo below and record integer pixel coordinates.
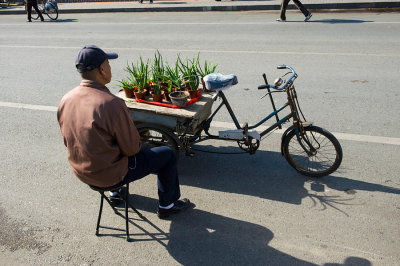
(302, 8)
(284, 5)
(29, 10)
(35, 6)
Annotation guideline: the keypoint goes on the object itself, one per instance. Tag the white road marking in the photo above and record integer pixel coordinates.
(207, 51)
(205, 23)
(29, 106)
(226, 125)
(341, 136)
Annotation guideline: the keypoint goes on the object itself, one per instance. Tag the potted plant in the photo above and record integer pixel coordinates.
(188, 68)
(179, 98)
(157, 92)
(139, 73)
(160, 78)
(204, 71)
(127, 86)
(175, 80)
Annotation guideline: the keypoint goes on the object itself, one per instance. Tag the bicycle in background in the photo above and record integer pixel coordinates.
(50, 8)
(4, 3)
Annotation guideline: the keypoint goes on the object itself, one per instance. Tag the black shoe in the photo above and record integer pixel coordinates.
(117, 200)
(308, 17)
(179, 206)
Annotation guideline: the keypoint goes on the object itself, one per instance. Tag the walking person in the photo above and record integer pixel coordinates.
(29, 5)
(299, 5)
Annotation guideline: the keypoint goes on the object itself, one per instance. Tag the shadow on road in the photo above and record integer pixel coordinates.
(64, 20)
(341, 21)
(267, 175)
(198, 237)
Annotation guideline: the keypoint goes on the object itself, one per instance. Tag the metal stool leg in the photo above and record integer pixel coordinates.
(125, 197)
(126, 212)
(100, 211)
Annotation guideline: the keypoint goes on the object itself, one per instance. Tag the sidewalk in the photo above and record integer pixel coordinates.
(212, 5)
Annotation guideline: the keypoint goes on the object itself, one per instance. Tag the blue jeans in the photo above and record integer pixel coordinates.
(160, 161)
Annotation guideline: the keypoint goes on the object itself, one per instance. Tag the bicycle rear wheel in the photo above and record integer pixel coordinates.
(52, 12)
(322, 158)
(154, 137)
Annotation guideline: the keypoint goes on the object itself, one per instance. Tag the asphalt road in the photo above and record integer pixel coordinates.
(250, 210)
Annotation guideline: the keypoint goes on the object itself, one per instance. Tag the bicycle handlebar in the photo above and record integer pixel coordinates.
(282, 87)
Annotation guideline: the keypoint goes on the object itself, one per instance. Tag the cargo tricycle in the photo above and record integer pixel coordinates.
(311, 150)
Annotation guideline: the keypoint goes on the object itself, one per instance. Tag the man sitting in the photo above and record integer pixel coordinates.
(102, 141)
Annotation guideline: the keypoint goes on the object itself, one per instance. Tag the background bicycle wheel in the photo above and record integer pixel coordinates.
(52, 12)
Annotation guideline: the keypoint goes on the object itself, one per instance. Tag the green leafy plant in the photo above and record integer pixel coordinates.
(208, 68)
(156, 89)
(159, 75)
(158, 68)
(126, 83)
(188, 69)
(139, 74)
(175, 79)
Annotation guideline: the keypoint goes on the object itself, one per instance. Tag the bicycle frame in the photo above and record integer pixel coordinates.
(220, 94)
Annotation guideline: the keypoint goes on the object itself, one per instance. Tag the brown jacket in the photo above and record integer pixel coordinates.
(98, 132)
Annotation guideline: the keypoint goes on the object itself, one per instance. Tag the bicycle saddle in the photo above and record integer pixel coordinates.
(217, 81)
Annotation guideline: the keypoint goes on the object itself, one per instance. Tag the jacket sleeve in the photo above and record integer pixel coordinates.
(124, 130)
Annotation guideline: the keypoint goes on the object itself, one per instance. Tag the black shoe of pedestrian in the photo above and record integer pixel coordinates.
(179, 206)
(308, 17)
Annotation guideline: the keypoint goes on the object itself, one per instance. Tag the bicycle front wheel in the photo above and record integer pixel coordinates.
(318, 153)
(52, 12)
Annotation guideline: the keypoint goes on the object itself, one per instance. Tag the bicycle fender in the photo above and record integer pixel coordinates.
(287, 132)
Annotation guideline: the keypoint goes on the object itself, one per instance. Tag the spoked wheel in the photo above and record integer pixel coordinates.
(321, 158)
(52, 12)
(155, 137)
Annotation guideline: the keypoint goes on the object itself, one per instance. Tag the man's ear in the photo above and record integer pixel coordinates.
(101, 69)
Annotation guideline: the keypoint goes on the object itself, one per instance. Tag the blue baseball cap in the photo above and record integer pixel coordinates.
(91, 57)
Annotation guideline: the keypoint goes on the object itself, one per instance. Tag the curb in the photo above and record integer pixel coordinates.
(329, 6)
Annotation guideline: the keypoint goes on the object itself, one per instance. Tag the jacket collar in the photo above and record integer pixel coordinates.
(94, 85)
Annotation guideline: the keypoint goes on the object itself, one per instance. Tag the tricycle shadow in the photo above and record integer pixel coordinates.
(264, 174)
(267, 175)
